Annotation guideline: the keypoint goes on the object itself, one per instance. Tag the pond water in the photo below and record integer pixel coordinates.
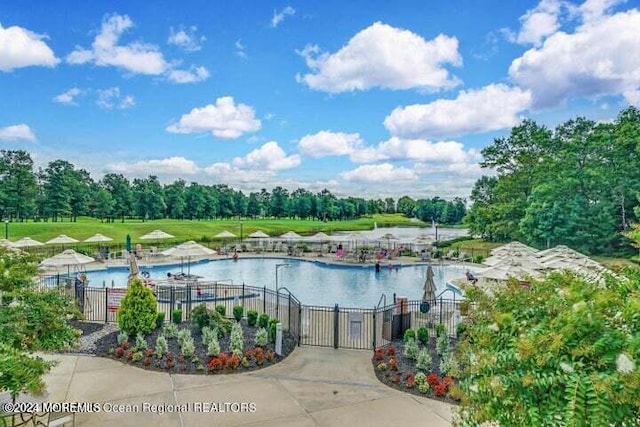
(313, 283)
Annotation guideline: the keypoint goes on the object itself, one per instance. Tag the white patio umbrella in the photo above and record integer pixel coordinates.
(225, 235)
(61, 240)
(97, 238)
(320, 237)
(67, 258)
(502, 272)
(187, 250)
(258, 235)
(388, 237)
(5, 242)
(291, 235)
(156, 235)
(26, 242)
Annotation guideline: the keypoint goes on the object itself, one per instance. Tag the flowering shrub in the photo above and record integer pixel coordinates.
(440, 389)
(119, 351)
(393, 364)
(259, 355)
(391, 351)
(433, 378)
(233, 362)
(270, 355)
(215, 364)
(565, 350)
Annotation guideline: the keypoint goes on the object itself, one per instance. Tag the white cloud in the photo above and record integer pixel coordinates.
(224, 119)
(169, 166)
(16, 133)
(496, 106)
(594, 10)
(602, 57)
(398, 149)
(381, 173)
(187, 39)
(278, 17)
(268, 157)
(68, 97)
(193, 75)
(225, 172)
(386, 57)
(135, 57)
(328, 143)
(20, 47)
(539, 22)
(240, 49)
(111, 98)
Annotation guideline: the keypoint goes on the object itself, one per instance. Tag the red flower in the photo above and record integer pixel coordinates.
(259, 354)
(215, 364)
(119, 352)
(233, 362)
(378, 355)
(391, 351)
(440, 389)
(410, 383)
(433, 379)
(250, 353)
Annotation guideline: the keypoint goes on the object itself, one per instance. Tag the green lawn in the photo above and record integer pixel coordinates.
(195, 230)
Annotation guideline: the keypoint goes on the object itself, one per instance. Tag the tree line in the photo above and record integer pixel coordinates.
(60, 191)
(577, 185)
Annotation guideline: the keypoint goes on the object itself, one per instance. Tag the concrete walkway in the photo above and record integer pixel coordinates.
(312, 387)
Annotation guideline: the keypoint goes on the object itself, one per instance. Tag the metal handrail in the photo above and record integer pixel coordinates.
(383, 297)
(290, 293)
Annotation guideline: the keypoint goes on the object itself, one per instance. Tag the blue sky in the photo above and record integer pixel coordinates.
(366, 98)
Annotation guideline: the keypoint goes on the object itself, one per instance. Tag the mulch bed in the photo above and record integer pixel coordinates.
(86, 327)
(198, 364)
(407, 367)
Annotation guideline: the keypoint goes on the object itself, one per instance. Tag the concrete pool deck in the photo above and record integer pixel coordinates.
(312, 387)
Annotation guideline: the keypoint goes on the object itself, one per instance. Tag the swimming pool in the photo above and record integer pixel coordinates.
(313, 283)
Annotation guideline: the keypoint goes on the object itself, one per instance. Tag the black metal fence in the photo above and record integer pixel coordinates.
(338, 327)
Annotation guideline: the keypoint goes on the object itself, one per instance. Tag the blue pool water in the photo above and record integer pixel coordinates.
(313, 283)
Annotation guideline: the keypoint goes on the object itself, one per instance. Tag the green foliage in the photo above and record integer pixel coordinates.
(263, 320)
(188, 347)
(30, 321)
(423, 335)
(409, 334)
(423, 361)
(170, 330)
(441, 330)
(138, 310)
(411, 349)
(141, 342)
(565, 352)
(123, 337)
(262, 337)
(208, 334)
(272, 329)
(461, 328)
(159, 319)
(201, 316)
(442, 345)
(238, 311)
(449, 365)
(162, 346)
(176, 316)
(222, 309)
(213, 347)
(183, 336)
(252, 317)
(236, 341)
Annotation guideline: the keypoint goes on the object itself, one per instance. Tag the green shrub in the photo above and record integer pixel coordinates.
(183, 336)
(409, 334)
(238, 311)
(423, 362)
(411, 349)
(170, 330)
(123, 337)
(221, 323)
(263, 320)
(272, 329)
(252, 317)
(138, 309)
(461, 328)
(442, 345)
(478, 259)
(440, 329)
(162, 347)
(201, 316)
(188, 347)
(176, 316)
(207, 335)
(213, 348)
(222, 309)
(141, 342)
(236, 342)
(262, 337)
(159, 319)
(423, 335)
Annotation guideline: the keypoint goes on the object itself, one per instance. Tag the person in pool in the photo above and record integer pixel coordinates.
(377, 267)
